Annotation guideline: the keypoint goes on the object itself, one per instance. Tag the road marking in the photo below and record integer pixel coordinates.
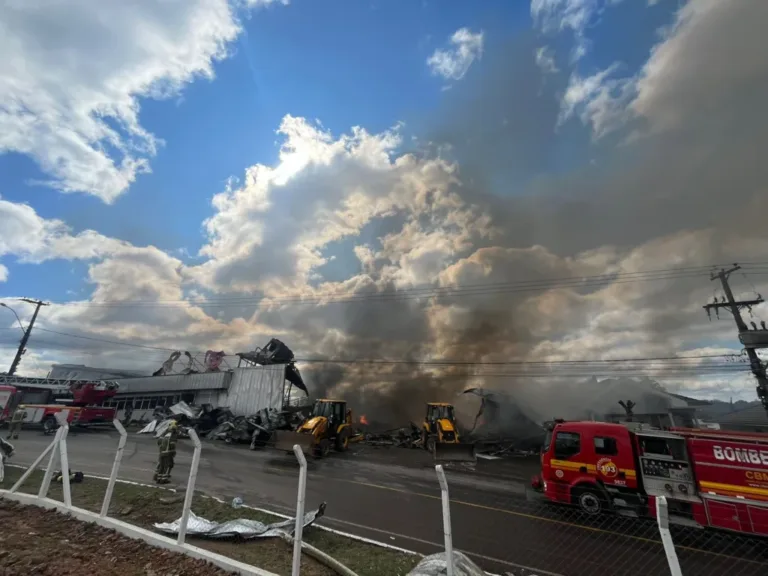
(440, 546)
(545, 519)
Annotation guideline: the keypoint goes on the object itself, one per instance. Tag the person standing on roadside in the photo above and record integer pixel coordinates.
(18, 417)
(167, 453)
(6, 451)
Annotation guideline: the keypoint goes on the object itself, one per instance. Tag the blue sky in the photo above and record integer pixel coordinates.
(550, 126)
(345, 63)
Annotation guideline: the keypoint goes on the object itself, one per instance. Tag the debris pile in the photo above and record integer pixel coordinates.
(221, 424)
(407, 437)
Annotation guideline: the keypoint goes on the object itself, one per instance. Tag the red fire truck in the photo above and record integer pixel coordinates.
(711, 478)
(43, 398)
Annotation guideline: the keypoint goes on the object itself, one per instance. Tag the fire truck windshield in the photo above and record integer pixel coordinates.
(547, 441)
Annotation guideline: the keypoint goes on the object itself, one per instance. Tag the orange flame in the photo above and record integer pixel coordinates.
(363, 420)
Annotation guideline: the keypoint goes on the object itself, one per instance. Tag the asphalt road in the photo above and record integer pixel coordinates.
(392, 495)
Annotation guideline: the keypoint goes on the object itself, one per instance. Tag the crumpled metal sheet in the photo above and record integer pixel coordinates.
(435, 565)
(240, 528)
(149, 428)
(185, 409)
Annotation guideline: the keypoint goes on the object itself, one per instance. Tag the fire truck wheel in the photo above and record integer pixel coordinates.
(49, 425)
(590, 501)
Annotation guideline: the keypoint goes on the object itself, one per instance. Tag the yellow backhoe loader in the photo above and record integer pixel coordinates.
(328, 426)
(441, 437)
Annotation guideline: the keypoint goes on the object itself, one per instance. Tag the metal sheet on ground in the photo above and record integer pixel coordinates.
(240, 528)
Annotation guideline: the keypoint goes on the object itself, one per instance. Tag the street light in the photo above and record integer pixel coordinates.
(4, 305)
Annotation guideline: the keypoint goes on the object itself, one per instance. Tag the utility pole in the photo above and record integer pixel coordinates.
(25, 338)
(751, 339)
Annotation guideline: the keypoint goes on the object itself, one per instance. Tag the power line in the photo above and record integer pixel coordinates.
(508, 362)
(585, 362)
(107, 341)
(428, 291)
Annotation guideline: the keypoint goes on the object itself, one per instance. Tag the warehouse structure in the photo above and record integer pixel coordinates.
(244, 391)
(266, 378)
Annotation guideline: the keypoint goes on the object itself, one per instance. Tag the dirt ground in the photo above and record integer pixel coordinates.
(44, 542)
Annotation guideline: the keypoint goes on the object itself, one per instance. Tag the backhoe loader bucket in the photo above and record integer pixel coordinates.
(286, 440)
(454, 452)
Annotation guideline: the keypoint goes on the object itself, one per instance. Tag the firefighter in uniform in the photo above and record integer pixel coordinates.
(18, 417)
(6, 451)
(167, 452)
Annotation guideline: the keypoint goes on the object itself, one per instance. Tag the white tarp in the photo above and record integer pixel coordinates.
(435, 565)
(240, 528)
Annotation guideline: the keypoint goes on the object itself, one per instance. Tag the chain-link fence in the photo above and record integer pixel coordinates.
(393, 496)
(562, 539)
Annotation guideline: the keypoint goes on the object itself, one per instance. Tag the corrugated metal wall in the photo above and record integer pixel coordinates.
(187, 382)
(252, 389)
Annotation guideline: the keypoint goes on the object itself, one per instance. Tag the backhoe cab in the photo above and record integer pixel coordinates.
(440, 435)
(328, 426)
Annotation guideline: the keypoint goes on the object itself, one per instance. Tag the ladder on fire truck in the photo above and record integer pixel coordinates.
(53, 384)
(63, 390)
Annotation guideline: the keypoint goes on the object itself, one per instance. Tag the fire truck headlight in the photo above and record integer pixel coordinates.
(668, 488)
(683, 488)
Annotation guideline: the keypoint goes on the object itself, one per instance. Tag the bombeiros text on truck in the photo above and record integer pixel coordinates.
(710, 478)
(44, 398)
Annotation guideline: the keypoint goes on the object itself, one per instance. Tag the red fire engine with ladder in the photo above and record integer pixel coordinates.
(43, 398)
(710, 478)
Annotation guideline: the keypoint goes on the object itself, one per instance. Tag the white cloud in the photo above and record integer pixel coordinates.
(72, 74)
(558, 15)
(453, 63)
(270, 233)
(600, 100)
(711, 45)
(3, 273)
(545, 60)
(34, 239)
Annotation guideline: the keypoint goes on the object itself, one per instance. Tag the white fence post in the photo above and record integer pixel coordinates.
(115, 467)
(446, 518)
(46, 485)
(65, 465)
(34, 465)
(298, 531)
(662, 517)
(190, 486)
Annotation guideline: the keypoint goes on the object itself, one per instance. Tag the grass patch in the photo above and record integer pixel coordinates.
(144, 506)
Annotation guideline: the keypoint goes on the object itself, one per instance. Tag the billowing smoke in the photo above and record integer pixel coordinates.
(670, 179)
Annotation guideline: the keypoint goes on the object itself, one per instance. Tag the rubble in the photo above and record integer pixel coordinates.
(220, 424)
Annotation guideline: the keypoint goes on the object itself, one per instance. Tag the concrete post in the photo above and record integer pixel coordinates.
(447, 533)
(300, 499)
(115, 467)
(190, 486)
(662, 517)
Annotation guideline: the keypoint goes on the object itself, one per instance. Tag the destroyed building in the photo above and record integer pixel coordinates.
(266, 378)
